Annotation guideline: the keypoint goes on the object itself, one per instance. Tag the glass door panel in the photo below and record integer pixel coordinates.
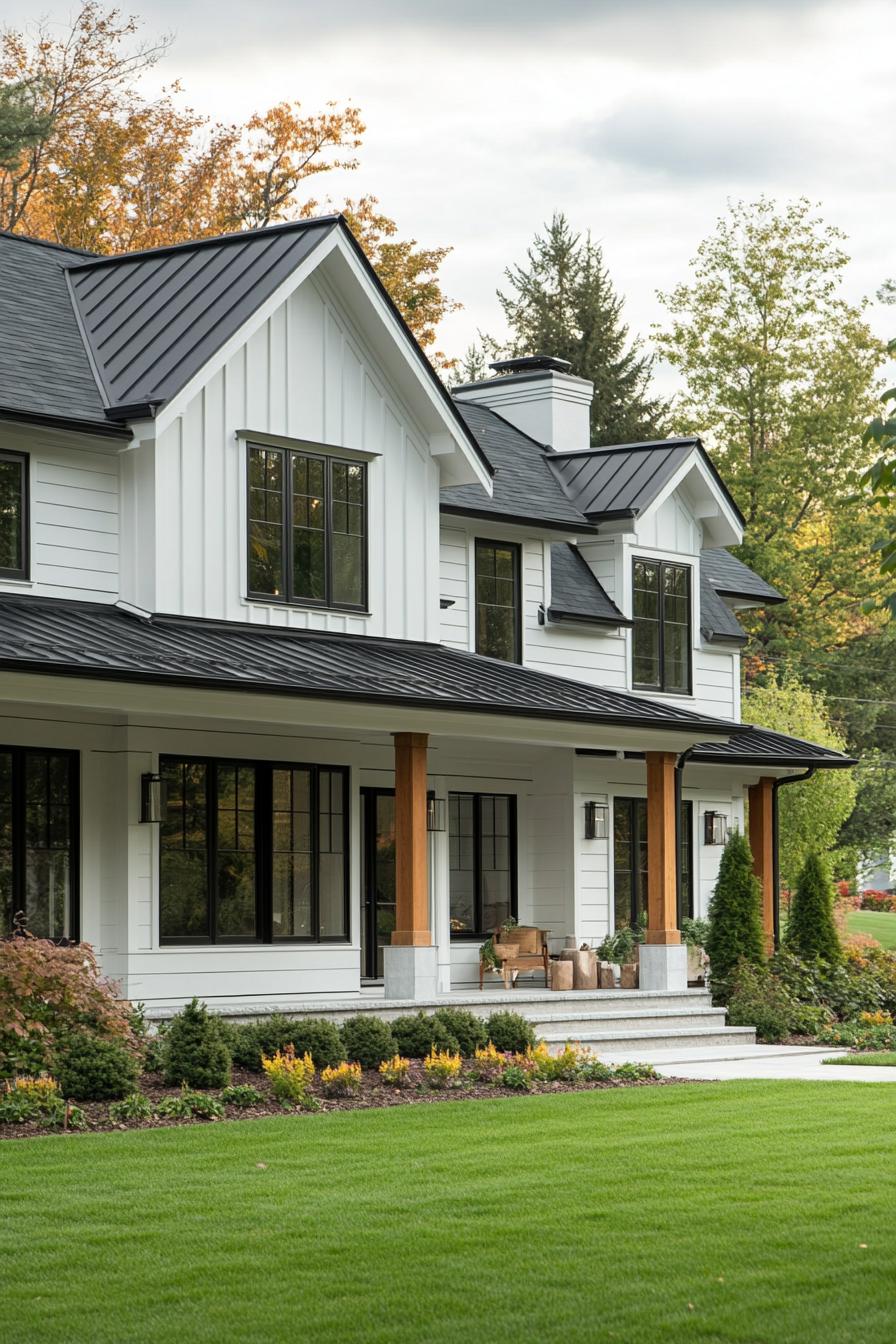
(378, 914)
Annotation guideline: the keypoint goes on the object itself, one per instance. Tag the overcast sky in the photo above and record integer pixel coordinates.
(638, 118)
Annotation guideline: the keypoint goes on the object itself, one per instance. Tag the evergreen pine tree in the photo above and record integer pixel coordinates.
(811, 931)
(735, 920)
(563, 303)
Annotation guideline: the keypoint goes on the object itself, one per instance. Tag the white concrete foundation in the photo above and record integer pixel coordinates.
(663, 966)
(410, 972)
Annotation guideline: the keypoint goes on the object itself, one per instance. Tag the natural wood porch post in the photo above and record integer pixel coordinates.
(662, 886)
(761, 801)
(411, 876)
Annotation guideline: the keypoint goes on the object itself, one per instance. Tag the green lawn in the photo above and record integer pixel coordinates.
(753, 1212)
(879, 924)
(887, 1057)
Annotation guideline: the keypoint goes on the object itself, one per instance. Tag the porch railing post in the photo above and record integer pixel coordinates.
(761, 803)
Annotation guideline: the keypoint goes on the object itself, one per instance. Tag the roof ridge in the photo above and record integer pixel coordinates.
(192, 244)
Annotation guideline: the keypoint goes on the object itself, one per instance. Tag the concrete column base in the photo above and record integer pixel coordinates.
(663, 966)
(410, 972)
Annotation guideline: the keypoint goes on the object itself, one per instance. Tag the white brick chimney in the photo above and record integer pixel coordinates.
(539, 395)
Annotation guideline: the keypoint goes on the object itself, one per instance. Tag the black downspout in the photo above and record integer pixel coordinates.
(776, 862)
(679, 772)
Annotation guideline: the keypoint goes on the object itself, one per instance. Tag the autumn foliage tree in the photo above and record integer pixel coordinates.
(89, 161)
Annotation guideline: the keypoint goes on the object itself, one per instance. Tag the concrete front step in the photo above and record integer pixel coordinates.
(575, 1024)
(670, 1038)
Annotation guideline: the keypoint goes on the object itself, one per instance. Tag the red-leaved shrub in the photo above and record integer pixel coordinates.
(878, 900)
(46, 992)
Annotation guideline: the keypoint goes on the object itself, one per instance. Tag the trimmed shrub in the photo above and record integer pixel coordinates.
(241, 1039)
(510, 1032)
(466, 1028)
(367, 1040)
(811, 931)
(89, 1068)
(195, 1051)
(735, 919)
(759, 999)
(417, 1033)
(308, 1035)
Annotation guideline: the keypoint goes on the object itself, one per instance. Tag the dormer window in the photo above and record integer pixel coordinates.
(13, 516)
(661, 637)
(307, 518)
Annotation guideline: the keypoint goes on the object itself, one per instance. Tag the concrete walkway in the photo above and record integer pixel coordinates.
(754, 1061)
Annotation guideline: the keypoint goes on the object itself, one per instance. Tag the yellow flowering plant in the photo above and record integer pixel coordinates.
(488, 1063)
(394, 1071)
(442, 1067)
(43, 1091)
(880, 1018)
(289, 1074)
(341, 1080)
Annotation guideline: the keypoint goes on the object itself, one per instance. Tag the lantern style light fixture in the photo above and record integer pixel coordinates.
(715, 828)
(153, 798)
(435, 813)
(597, 820)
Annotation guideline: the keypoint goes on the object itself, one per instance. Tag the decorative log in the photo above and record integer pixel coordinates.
(628, 975)
(607, 976)
(561, 974)
(584, 970)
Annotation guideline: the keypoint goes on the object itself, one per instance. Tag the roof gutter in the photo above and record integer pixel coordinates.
(679, 780)
(67, 423)
(776, 860)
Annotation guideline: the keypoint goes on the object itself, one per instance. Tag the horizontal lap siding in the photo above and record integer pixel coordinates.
(74, 518)
(454, 587)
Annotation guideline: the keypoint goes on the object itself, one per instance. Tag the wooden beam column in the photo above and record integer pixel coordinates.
(411, 843)
(662, 863)
(762, 844)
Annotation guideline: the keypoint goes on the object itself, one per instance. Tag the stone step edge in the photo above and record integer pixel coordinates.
(658, 1014)
(674, 1033)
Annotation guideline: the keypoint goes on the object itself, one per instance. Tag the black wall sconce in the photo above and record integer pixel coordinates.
(153, 798)
(597, 820)
(715, 828)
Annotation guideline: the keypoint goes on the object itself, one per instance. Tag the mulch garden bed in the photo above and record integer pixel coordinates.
(373, 1094)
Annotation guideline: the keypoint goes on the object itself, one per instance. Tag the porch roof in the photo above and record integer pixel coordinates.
(751, 745)
(105, 642)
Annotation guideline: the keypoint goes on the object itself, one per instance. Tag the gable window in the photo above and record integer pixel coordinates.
(482, 861)
(39, 840)
(251, 852)
(13, 516)
(307, 528)
(498, 632)
(661, 636)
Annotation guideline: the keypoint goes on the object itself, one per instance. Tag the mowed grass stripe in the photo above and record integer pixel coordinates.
(721, 1212)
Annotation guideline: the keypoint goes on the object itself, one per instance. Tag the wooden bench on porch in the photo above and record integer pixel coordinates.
(523, 948)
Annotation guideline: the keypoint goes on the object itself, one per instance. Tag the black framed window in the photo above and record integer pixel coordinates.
(482, 861)
(661, 635)
(13, 515)
(498, 603)
(307, 519)
(39, 815)
(253, 852)
(630, 860)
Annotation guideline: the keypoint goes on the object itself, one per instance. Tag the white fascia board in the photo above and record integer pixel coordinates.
(722, 522)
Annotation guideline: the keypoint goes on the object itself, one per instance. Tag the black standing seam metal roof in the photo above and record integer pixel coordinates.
(621, 481)
(103, 642)
(524, 489)
(576, 593)
(752, 745)
(732, 578)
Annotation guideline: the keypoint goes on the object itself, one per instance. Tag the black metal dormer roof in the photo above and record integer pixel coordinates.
(576, 593)
(732, 578)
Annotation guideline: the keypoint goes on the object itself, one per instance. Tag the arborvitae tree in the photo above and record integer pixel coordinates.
(811, 931)
(735, 918)
(562, 302)
(194, 1050)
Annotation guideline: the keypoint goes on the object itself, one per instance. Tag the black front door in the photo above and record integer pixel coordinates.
(377, 878)
(630, 860)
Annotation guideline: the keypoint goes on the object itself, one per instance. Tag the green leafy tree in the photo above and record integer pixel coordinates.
(811, 931)
(735, 915)
(561, 302)
(779, 373)
(812, 812)
(23, 124)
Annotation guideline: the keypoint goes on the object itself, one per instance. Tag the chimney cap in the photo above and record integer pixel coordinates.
(531, 364)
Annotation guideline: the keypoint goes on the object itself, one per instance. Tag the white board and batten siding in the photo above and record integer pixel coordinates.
(305, 375)
(75, 516)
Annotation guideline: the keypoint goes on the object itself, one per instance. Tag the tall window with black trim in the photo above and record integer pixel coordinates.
(631, 860)
(253, 852)
(307, 517)
(482, 861)
(498, 600)
(39, 840)
(13, 515)
(661, 637)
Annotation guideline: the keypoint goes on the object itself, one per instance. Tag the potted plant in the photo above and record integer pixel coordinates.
(694, 933)
(490, 953)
